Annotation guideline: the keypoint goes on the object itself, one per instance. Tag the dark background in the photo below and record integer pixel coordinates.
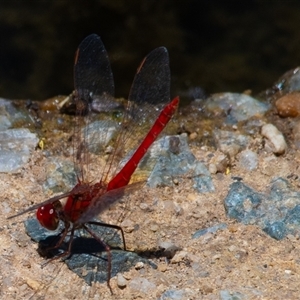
(215, 45)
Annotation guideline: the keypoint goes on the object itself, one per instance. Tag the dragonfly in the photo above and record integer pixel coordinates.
(94, 86)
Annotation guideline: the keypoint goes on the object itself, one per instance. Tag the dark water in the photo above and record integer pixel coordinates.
(215, 45)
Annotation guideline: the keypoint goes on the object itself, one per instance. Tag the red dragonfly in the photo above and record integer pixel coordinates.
(94, 85)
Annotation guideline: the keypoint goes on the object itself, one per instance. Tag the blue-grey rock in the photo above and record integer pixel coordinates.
(289, 82)
(236, 107)
(242, 202)
(248, 160)
(212, 229)
(9, 114)
(5, 123)
(98, 134)
(276, 212)
(143, 285)
(226, 295)
(276, 230)
(16, 147)
(174, 159)
(60, 175)
(230, 142)
(173, 295)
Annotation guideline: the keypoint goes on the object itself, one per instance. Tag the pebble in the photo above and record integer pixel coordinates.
(144, 206)
(230, 142)
(193, 135)
(248, 160)
(237, 107)
(127, 225)
(289, 105)
(212, 168)
(275, 139)
(33, 284)
(98, 134)
(218, 163)
(213, 229)
(154, 227)
(206, 289)
(179, 257)
(140, 265)
(142, 285)
(162, 267)
(228, 295)
(16, 147)
(60, 175)
(10, 115)
(289, 82)
(170, 249)
(173, 295)
(121, 281)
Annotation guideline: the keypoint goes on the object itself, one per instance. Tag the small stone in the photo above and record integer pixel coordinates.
(179, 257)
(174, 295)
(154, 227)
(100, 133)
(162, 267)
(212, 168)
(33, 284)
(16, 147)
(26, 264)
(192, 197)
(232, 248)
(228, 295)
(248, 160)
(289, 105)
(230, 143)
(205, 289)
(140, 265)
(127, 225)
(217, 256)
(175, 181)
(275, 139)
(169, 248)
(121, 281)
(142, 285)
(236, 107)
(144, 206)
(193, 135)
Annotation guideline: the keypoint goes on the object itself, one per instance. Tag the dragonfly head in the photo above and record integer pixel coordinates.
(47, 216)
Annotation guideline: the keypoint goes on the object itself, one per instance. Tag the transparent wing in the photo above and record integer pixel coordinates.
(36, 206)
(149, 93)
(93, 77)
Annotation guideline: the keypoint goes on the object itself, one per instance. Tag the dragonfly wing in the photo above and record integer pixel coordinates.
(103, 202)
(36, 206)
(94, 88)
(93, 78)
(151, 83)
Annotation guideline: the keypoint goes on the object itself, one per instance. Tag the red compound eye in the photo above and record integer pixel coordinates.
(47, 216)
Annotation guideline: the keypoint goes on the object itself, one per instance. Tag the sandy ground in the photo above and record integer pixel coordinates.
(240, 260)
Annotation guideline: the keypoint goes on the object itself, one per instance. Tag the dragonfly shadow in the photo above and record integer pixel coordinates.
(80, 245)
(167, 253)
(88, 258)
